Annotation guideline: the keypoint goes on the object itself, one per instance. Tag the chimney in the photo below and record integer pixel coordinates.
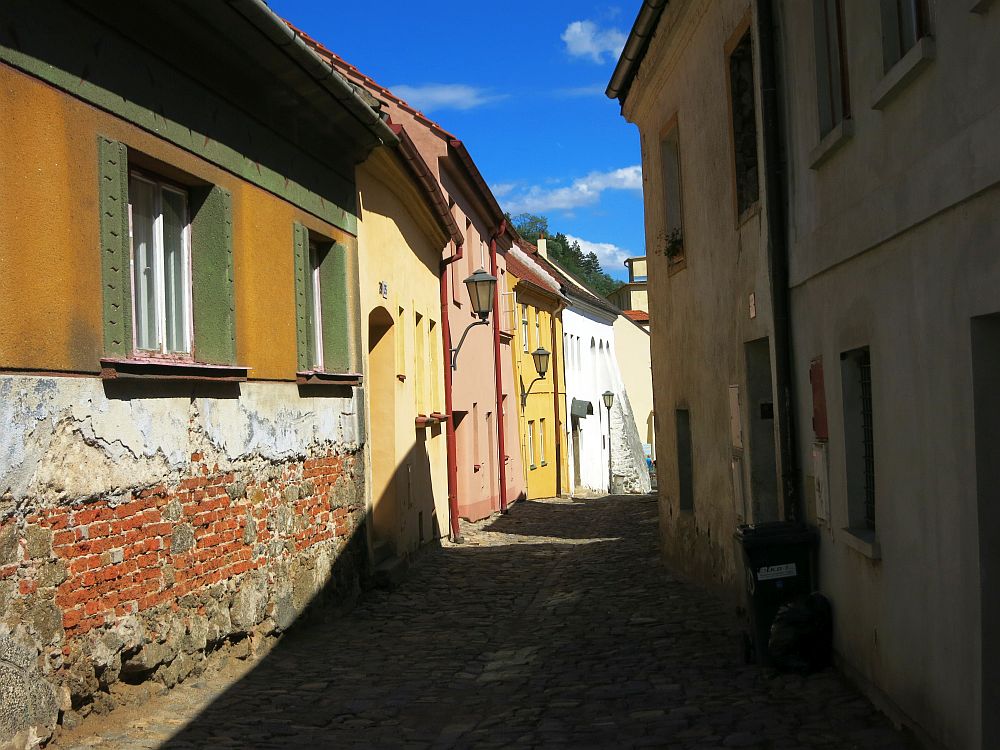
(542, 249)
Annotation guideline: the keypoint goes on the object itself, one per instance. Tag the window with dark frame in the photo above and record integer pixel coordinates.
(743, 105)
(904, 22)
(859, 438)
(833, 91)
(670, 165)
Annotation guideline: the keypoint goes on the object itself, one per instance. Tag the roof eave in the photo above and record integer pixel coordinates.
(635, 49)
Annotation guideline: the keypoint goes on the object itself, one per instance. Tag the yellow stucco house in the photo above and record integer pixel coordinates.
(535, 305)
(404, 225)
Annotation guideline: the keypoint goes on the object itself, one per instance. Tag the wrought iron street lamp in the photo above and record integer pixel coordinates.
(481, 286)
(541, 357)
(609, 398)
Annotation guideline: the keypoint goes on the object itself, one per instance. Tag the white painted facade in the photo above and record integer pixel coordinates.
(591, 368)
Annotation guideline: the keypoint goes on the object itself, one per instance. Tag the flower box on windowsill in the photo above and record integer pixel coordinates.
(322, 377)
(168, 369)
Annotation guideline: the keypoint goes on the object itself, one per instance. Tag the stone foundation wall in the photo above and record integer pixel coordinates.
(236, 540)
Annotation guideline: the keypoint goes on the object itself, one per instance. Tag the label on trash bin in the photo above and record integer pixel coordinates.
(770, 572)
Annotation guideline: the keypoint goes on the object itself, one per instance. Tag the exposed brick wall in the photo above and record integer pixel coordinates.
(130, 585)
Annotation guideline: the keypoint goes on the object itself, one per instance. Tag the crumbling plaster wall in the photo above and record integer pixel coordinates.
(139, 534)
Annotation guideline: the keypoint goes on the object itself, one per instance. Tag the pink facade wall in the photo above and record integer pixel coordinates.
(474, 401)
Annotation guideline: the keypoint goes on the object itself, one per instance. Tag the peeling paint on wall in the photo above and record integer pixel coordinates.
(65, 439)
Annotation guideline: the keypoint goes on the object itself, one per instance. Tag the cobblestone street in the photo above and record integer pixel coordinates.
(554, 626)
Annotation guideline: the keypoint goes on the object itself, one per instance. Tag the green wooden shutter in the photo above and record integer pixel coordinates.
(115, 247)
(212, 276)
(336, 309)
(303, 294)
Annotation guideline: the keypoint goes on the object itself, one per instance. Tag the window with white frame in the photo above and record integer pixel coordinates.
(904, 22)
(538, 327)
(315, 259)
(531, 445)
(160, 238)
(541, 441)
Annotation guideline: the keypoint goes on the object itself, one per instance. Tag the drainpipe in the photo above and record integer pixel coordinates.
(497, 369)
(555, 398)
(776, 201)
(452, 447)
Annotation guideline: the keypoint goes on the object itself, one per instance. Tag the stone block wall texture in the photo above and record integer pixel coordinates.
(130, 584)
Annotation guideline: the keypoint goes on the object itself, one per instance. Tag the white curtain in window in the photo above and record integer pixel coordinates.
(142, 197)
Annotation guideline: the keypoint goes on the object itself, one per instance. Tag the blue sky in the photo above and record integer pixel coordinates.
(523, 87)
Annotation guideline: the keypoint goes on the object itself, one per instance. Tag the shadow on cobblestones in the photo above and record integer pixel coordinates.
(554, 626)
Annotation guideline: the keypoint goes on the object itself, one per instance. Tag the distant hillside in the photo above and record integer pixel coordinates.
(584, 266)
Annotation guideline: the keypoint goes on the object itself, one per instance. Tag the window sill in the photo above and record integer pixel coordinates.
(981, 6)
(831, 143)
(864, 541)
(532, 467)
(545, 463)
(676, 266)
(162, 369)
(904, 71)
(321, 377)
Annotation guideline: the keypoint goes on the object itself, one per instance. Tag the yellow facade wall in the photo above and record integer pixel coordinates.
(400, 249)
(549, 477)
(50, 265)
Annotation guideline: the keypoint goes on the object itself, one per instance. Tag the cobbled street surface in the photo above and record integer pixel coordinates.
(554, 626)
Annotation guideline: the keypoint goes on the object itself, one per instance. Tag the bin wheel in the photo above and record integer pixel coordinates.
(748, 649)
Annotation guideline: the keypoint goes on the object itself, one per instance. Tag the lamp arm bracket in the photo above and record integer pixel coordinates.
(524, 393)
(454, 351)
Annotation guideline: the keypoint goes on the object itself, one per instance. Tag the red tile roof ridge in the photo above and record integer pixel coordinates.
(369, 82)
(524, 266)
(639, 316)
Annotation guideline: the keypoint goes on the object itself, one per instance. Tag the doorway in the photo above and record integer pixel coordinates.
(381, 436)
(763, 454)
(986, 406)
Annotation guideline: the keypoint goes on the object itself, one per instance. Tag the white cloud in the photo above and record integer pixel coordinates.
(587, 39)
(594, 89)
(585, 191)
(503, 188)
(611, 256)
(435, 96)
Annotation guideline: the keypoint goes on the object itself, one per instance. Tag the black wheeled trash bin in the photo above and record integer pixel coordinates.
(778, 558)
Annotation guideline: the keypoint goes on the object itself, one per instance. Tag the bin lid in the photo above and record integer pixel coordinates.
(774, 532)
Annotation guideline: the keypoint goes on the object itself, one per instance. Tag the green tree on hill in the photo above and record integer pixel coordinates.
(584, 266)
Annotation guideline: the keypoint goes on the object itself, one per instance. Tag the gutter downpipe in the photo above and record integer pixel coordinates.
(452, 447)
(555, 397)
(497, 369)
(775, 161)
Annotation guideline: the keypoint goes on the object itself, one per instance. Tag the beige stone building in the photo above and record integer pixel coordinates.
(823, 234)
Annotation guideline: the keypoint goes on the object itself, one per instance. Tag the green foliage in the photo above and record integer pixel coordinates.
(584, 266)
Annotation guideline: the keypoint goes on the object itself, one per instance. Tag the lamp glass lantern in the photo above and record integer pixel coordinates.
(481, 286)
(609, 398)
(541, 357)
